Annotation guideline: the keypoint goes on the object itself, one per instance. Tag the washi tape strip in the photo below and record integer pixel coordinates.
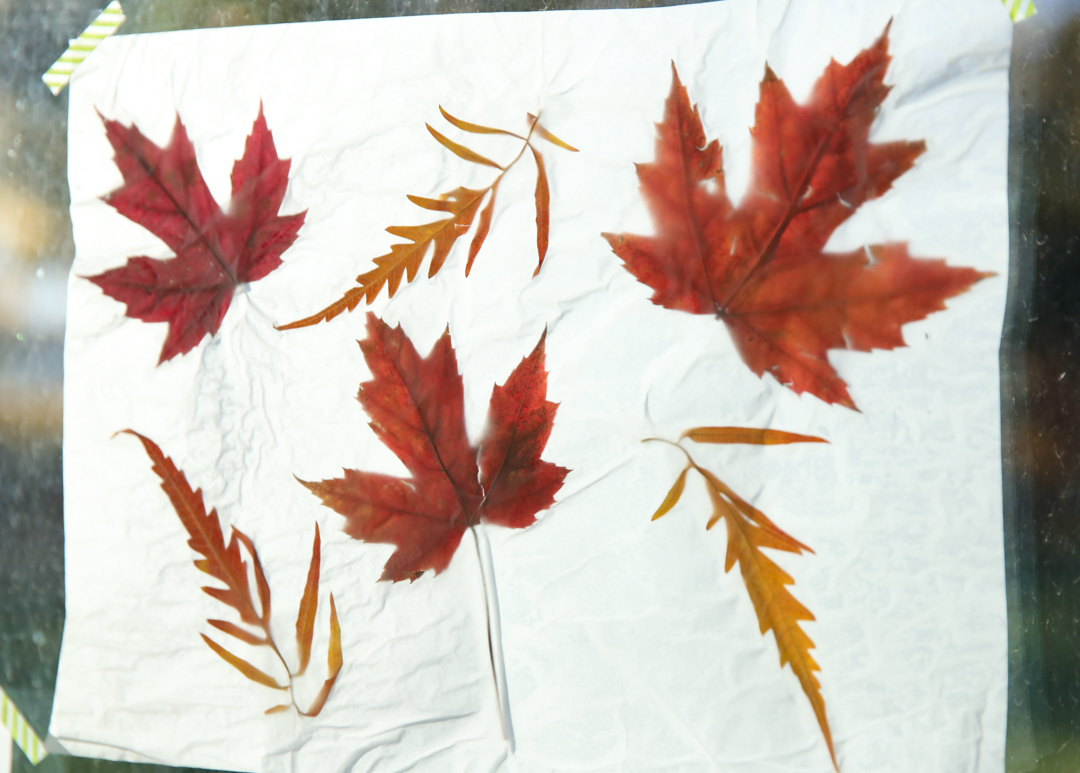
(1020, 9)
(107, 22)
(21, 732)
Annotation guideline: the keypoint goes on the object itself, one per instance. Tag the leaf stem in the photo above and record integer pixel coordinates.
(491, 610)
(676, 445)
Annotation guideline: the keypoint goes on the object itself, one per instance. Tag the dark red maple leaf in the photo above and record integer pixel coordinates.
(761, 266)
(164, 192)
(417, 409)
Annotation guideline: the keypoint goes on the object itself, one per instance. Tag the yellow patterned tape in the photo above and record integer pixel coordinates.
(107, 22)
(1020, 9)
(21, 732)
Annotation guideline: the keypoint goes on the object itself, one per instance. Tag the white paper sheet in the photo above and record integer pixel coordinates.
(626, 646)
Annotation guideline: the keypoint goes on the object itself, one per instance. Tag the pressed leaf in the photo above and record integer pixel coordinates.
(222, 562)
(475, 128)
(235, 630)
(260, 577)
(761, 267)
(406, 258)
(777, 610)
(403, 260)
(461, 151)
(277, 709)
(333, 652)
(790, 544)
(482, 228)
(309, 605)
(226, 564)
(215, 251)
(548, 135)
(243, 666)
(333, 663)
(543, 209)
(760, 437)
(517, 483)
(673, 496)
(417, 410)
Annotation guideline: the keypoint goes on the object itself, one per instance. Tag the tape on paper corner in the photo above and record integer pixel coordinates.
(21, 733)
(1020, 9)
(107, 22)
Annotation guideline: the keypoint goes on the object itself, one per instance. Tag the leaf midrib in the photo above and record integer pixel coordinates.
(429, 436)
(211, 247)
(766, 255)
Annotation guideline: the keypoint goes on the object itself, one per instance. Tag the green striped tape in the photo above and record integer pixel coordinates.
(21, 732)
(104, 25)
(1020, 9)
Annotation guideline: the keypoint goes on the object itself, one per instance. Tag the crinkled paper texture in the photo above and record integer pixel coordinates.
(627, 647)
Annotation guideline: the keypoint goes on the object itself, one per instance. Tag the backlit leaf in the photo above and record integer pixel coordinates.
(673, 496)
(761, 266)
(242, 665)
(309, 605)
(540, 130)
(222, 562)
(543, 209)
(417, 410)
(333, 663)
(234, 630)
(403, 260)
(461, 151)
(475, 128)
(215, 251)
(760, 437)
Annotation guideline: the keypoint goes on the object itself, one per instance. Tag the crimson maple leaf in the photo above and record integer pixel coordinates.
(164, 192)
(417, 409)
(761, 266)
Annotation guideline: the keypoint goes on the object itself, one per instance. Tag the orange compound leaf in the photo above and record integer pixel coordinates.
(761, 267)
(243, 666)
(225, 563)
(404, 260)
(215, 250)
(309, 605)
(749, 531)
(417, 410)
(759, 437)
(222, 562)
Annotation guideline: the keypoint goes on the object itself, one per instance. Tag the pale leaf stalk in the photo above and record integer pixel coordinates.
(402, 261)
(494, 630)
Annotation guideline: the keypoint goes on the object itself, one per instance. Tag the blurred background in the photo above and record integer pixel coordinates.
(1040, 348)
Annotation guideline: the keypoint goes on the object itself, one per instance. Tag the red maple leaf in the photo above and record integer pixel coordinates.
(417, 409)
(164, 192)
(761, 266)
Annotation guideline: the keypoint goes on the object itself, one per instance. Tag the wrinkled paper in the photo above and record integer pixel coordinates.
(625, 645)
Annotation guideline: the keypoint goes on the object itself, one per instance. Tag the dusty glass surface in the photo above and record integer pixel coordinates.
(1040, 351)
